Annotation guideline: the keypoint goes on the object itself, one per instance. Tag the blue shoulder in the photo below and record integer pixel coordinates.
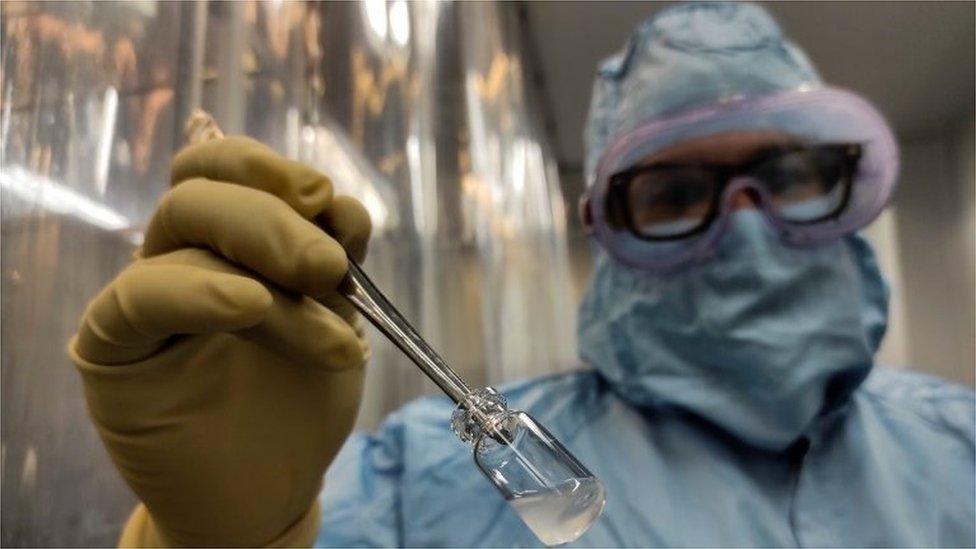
(937, 403)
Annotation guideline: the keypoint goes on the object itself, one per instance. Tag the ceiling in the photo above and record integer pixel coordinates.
(915, 60)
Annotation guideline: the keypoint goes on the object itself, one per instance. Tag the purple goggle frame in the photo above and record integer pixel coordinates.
(821, 115)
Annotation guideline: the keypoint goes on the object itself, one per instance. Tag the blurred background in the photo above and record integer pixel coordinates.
(459, 126)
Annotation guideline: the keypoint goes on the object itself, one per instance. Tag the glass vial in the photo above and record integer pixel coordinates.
(553, 493)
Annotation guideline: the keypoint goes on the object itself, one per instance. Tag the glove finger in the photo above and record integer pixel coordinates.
(249, 228)
(246, 162)
(147, 304)
(341, 306)
(308, 333)
(347, 220)
(294, 326)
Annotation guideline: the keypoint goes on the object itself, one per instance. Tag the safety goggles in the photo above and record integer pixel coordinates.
(833, 177)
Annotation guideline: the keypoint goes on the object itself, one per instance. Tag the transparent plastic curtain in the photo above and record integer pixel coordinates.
(87, 103)
(434, 94)
(420, 109)
(516, 205)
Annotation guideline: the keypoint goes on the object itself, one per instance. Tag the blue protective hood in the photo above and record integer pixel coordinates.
(687, 56)
(760, 340)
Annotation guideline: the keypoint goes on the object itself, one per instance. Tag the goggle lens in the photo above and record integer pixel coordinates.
(668, 202)
(811, 185)
(671, 203)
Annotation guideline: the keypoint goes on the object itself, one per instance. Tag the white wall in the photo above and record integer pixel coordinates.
(883, 234)
(925, 244)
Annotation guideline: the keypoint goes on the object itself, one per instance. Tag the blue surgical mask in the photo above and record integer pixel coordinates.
(760, 340)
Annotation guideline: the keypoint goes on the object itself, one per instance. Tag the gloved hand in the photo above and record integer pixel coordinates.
(221, 369)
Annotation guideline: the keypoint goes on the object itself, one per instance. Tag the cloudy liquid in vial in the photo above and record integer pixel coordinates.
(561, 515)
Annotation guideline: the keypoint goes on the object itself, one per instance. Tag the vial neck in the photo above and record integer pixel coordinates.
(477, 414)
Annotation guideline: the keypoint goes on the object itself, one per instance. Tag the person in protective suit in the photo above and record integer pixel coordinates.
(729, 331)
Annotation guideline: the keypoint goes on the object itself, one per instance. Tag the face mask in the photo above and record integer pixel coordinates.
(759, 340)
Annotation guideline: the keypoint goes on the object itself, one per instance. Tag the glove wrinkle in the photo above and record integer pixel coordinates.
(129, 317)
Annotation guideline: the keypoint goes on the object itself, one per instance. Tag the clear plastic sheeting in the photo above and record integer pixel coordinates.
(477, 258)
(515, 204)
(87, 104)
(419, 109)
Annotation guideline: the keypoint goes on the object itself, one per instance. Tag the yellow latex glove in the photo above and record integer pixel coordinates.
(221, 368)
